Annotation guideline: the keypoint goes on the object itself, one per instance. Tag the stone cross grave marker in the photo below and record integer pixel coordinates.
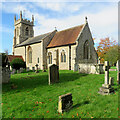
(36, 68)
(118, 71)
(65, 102)
(53, 74)
(107, 72)
(33, 68)
(106, 88)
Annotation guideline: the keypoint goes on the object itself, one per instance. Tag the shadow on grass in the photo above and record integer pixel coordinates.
(34, 80)
(80, 104)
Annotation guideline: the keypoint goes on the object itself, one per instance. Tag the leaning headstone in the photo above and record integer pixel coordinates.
(36, 68)
(106, 88)
(65, 103)
(111, 81)
(53, 74)
(118, 72)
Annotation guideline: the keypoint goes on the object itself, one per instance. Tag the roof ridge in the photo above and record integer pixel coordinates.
(72, 27)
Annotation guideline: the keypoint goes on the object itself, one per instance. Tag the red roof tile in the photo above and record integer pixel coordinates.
(11, 57)
(65, 37)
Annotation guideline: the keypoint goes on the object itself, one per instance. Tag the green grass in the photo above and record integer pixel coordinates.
(22, 101)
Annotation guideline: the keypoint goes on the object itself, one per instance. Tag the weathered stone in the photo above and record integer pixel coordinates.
(53, 74)
(27, 69)
(99, 69)
(111, 81)
(65, 103)
(106, 88)
(98, 60)
(33, 68)
(106, 72)
(13, 71)
(36, 68)
(6, 75)
(76, 67)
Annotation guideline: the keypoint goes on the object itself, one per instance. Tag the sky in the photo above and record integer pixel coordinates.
(102, 18)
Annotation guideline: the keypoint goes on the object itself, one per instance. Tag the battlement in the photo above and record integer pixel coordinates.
(24, 21)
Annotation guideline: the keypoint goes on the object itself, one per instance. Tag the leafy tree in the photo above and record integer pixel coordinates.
(112, 54)
(104, 46)
(17, 63)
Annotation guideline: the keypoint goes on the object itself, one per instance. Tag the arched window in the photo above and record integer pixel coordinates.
(63, 56)
(29, 54)
(26, 31)
(86, 50)
(50, 58)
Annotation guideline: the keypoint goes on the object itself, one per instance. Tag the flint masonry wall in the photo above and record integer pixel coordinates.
(85, 64)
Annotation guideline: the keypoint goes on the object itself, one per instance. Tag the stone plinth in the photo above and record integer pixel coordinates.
(65, 103)
(106, 88)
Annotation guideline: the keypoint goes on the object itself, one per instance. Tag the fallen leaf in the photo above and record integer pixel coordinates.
(72, 116)
(91, 117)
(117, 108)
(47, 111)
(49, 99)
(1, 103)
(77, 114)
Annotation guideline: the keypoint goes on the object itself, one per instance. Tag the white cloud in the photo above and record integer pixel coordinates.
(102, 23)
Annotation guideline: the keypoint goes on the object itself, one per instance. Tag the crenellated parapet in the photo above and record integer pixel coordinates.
(24, 21)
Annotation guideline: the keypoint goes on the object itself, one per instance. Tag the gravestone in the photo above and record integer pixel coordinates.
(27, 69)
(65, 103)
(106, 88)
(33, 69)
(36, 68)
(111, 81)
(76, 67)
(99, 69)
(13, 71)
(53, 74)
(44, 70)
(118, 72)
(98, 60)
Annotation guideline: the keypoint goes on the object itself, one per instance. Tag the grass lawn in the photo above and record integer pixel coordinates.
(34, 98)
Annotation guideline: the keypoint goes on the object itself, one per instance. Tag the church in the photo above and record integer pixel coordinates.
(70, 49)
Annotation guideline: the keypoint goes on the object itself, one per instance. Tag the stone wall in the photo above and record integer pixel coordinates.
(85, 64)
(62, 65)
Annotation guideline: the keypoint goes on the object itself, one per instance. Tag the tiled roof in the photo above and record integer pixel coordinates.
(33, 40)
(65, 37)
(11, 57)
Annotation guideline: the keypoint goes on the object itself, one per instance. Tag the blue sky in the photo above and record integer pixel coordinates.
(102, 18)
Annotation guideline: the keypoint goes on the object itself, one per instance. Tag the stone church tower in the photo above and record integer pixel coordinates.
(23, 30)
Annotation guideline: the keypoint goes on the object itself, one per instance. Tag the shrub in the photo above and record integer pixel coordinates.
(17, 63)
